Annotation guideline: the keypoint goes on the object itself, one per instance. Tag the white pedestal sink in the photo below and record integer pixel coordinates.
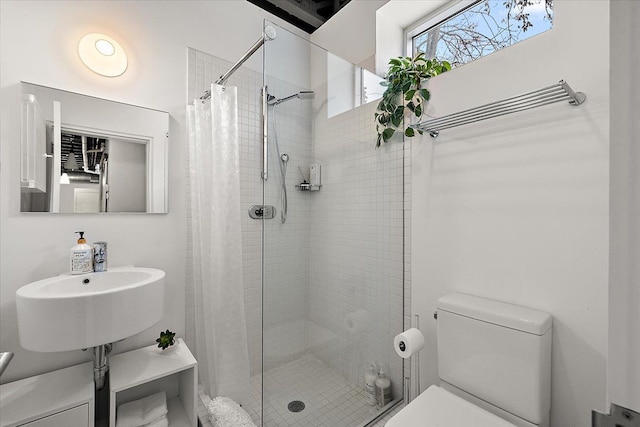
(72, 312)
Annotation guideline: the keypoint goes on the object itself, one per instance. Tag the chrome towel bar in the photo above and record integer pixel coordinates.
(560, 91)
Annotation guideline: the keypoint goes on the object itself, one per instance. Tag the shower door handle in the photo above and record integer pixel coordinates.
(262, 212)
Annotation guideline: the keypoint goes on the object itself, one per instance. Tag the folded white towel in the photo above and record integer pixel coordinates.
(224, 412)
(155, 406)
(143, 411)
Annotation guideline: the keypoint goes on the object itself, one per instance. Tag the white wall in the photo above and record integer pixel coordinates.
(516, 208)
(351, 33)
(624, 285)
(38, 45)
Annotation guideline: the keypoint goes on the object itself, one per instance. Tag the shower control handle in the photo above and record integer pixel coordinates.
(262, 212)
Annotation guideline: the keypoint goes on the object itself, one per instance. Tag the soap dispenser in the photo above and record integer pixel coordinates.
(370, 385)
(383, 389)
(80, 256)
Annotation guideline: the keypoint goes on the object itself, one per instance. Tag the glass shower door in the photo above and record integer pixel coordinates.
(333, 254)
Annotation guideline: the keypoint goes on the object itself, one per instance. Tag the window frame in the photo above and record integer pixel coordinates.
(446, 12)
(425, 23)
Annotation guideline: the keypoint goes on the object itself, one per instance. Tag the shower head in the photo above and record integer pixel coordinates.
(304, 94)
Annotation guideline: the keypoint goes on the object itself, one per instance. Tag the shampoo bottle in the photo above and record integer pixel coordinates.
(383, 389)
(81, 257)
(370, 385)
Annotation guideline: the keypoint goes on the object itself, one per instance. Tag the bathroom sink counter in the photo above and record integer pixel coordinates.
(93, 309)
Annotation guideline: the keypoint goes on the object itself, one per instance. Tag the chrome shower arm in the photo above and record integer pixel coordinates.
(269, 34)
(223, 78)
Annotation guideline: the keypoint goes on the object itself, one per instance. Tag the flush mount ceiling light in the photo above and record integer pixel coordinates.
(102, 55)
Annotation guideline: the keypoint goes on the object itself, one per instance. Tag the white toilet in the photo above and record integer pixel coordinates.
(494, 364)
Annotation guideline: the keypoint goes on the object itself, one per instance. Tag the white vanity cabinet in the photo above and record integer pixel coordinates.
(63, 398)
(139, 373)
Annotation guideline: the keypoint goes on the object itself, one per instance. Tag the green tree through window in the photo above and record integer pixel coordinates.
(483, 28)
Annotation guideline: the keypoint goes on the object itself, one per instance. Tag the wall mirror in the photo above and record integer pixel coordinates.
(81, 154)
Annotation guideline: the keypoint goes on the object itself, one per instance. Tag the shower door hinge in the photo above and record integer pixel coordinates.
(262, 212)
(619, 417)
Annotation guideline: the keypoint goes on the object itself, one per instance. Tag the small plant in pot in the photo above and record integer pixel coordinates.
(166, 339)
(404, 92)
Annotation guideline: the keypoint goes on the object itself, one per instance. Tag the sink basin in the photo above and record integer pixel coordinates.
(72, 312)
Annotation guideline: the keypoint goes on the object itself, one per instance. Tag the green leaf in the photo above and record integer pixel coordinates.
(409, 132)
(387, 134)
(424, 93)
(418, 111)
(396, 121)
(409, 95)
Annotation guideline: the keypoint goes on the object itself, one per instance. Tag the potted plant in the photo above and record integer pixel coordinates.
(404, 81)
(166, 339)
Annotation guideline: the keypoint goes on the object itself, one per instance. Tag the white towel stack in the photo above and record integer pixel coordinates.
(149, 411)
(224, 412)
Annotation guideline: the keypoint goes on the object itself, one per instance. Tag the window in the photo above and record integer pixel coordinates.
(471, 30)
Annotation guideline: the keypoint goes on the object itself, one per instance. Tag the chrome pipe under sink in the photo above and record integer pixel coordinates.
(5, 358)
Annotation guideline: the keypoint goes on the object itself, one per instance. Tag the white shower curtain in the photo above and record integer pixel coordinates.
(220, 325)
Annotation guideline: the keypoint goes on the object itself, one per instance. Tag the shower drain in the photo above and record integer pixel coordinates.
(295, 406)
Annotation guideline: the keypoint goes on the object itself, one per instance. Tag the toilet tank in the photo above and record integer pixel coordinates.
(498, 352)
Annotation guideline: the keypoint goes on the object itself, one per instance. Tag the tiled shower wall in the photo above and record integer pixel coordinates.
(356, 273)
(286, 245)
(340, 255)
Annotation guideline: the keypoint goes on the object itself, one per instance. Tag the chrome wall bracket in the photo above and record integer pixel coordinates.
(619, 417)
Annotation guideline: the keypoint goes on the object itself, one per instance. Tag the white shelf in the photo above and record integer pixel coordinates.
(142, 372)
(44, 395)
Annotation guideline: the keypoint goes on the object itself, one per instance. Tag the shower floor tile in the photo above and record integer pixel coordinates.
(330, 401)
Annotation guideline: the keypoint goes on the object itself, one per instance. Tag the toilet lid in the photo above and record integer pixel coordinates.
(436, 407)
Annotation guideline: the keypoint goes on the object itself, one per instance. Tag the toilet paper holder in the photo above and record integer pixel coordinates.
(413, 356)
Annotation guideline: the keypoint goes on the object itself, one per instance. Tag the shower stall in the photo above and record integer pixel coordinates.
(323, 233)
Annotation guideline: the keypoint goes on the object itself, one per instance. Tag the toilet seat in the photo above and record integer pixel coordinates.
(437, 407)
